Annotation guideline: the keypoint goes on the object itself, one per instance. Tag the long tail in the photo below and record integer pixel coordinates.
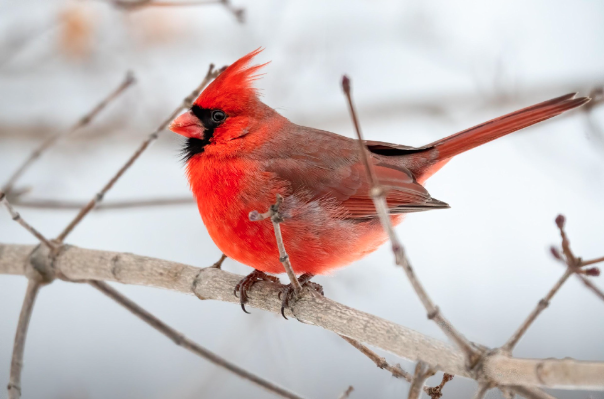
(473, 137)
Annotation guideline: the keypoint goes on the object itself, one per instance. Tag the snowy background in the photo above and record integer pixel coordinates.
(420, 70)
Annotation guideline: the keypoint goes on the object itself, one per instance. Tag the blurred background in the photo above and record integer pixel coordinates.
(421, 71)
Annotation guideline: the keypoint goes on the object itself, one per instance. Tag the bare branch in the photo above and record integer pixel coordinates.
(16, 365)
(126, 204)
(275, 216)
(180, 340)
(482, 391)
(541, 305)
(346, 393)
(82, 122)
(134, 5)
(572, 261)
(379, 199)
(77, 264)
(211, 74)
(437, 391)
(592, 261)
(529, 393)
(17, 217)
(422, 373)
(379, 361)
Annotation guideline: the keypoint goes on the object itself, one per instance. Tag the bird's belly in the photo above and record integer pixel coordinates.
(315, 241)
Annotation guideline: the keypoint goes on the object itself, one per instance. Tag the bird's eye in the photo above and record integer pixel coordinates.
(218, 116)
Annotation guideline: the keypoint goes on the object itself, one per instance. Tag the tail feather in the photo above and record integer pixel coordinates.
(498, 127)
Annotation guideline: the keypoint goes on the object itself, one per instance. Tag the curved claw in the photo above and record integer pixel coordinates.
(287, 291)
(247, 282)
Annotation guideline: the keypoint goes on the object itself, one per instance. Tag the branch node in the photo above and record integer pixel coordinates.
(433, 313)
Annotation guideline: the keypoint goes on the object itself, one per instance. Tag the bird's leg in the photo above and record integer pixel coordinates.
(287, 292)
(246, 283)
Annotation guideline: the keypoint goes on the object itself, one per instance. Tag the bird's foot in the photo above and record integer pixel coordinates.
(287, 292)
(247, 282)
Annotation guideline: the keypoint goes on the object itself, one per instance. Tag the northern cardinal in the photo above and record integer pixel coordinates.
(241, 153)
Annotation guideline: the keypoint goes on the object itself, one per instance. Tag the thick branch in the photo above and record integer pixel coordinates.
(79, 264)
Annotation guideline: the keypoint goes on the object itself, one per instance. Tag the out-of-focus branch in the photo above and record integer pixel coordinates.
(211, 74)
(574, 263)
(134, 5)
(84, 121)
(17, 218)
(111, 205)
(180, 340)
(16, 365)
(379, 361)
(346, 393)
(541, 305)
(378, 194)
(422, 373)
(437, 391)
(482, 391)
(77, 264)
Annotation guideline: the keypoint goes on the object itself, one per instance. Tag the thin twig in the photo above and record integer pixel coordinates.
(134, 5)
(211, 74)
(572, 261)
(126, 204)
(541, 305)
(346, 393)
(422, 373)
(530, 393)
(482, 391)
(16, 364)
(437, 391)
(82, 122)
(276, 218)
(379, 199)
(180, 340)
(592, 261)
(379, 361)
(17, 217)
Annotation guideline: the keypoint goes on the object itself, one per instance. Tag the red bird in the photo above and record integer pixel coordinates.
(241, 153)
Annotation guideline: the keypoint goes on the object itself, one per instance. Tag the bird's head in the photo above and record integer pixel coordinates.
(226, 110)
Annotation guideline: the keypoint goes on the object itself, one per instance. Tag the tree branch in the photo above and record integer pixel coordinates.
(379, 361)
(17, 218)
(422, 373)
(84, 121)
(126, 204)
(346, 393)
(77, 264)
(541, 305)
(276, 219)
(378, 194)
(180, 340)
(16, 364)
(211, 74)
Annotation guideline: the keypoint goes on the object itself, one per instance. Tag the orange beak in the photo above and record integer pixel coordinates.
(188, 125)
